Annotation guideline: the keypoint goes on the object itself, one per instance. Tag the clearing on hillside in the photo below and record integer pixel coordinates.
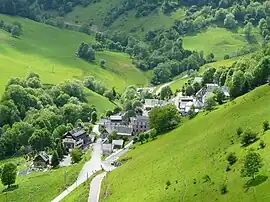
(193, 158)
(50, 52)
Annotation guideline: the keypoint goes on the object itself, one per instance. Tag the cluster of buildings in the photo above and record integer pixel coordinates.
(185, 103)
(77, 137)
(125, 130)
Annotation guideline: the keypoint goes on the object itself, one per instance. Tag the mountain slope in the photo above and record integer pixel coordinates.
(195, 149)
(50, 52)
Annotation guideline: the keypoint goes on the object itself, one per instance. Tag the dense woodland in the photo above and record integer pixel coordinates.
(36, 115)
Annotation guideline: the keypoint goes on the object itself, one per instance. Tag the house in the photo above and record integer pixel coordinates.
(117, 144)
(42, 160)
(75, 138)
(117, 119)
(151, 103)
(106, 148)
(139, 124)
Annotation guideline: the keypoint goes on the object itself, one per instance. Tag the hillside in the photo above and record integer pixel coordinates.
(50, 52)
(196, 149)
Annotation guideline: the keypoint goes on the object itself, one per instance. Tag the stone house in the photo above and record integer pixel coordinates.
(77, 137)
(139, 124)
(42, 160)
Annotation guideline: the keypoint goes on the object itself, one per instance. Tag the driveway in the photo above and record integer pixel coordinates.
(89, 168)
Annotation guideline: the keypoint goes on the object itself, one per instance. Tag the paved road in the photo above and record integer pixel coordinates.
(164, 85)
(96, 182)
(89, 168)
(95, 186)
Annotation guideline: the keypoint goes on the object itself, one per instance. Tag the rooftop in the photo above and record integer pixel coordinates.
(118, 142)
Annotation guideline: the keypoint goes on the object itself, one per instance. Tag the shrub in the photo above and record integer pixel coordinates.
(223, 189)
(76, 155)
(206, 178)
(265, 126)
(231, 158)
(248, 137)
(262, 144)
(239, 131)
(102, 62)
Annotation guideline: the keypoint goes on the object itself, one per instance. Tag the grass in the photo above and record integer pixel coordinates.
(217, 40)
(43, 186)
(198, 148)
(50, 52)
(101, 103)
(96, 13)
(81, 193)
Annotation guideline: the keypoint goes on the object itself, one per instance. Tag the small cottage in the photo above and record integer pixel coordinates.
(42, 160)
(117, 144)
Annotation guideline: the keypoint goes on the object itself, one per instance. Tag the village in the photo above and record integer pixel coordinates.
(115, 131)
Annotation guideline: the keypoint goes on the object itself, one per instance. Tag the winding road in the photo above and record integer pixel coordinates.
(92, 166)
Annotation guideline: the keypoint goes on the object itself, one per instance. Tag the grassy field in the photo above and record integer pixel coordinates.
(43, 186)
(50, 52)
(96, 12)
(219, 41)
(101, 103)
(197, 148)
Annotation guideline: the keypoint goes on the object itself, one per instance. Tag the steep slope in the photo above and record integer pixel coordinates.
(196, 149)
(50, 52)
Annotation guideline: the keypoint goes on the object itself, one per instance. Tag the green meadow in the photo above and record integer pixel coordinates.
(196, 149)
(217, 40)
(50, 52)
(41, 186)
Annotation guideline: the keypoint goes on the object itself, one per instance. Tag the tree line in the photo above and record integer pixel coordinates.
(35, 116)
(15, 28)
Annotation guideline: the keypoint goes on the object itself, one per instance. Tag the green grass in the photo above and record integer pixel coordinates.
(217, 40)
(50, 52)
(101, 103)
(81, 193)
(43, 186)
(96, 13)
(195, 149)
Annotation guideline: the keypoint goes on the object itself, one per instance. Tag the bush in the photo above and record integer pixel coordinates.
(223, 189)
(265, 126)
(76, 155)
(262, 144)
(248, 137)
(239, 131)
(102, 62)
(231, 158)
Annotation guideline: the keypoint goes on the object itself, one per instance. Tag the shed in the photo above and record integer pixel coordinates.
(117, 144)
(42, 160)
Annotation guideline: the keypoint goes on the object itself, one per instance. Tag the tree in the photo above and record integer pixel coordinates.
(265, 125)
(189, 90)
(109, 94)
(248, 30)
(210, 103)
(252, 165)
(60, 150)
(153, 133)
(238, 80)
(146, 136)
(40, 139)
(210, 57)
(166, 93)
(102, 62)
(55, 159)
(164, 118)
(248, 137)
(94, 117)
(220, 96)
(191, 112)
(9, 174)
(208, 75)
(76, 155)
(141, 137)
(15, 31)
(231, 158)
(262, 71)
(229, 21)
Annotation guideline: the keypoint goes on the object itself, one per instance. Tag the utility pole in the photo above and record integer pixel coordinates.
(65, 179)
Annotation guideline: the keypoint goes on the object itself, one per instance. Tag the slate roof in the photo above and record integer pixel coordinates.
(76, 132)
(44, 156)
(118, 142)
(120, 129)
